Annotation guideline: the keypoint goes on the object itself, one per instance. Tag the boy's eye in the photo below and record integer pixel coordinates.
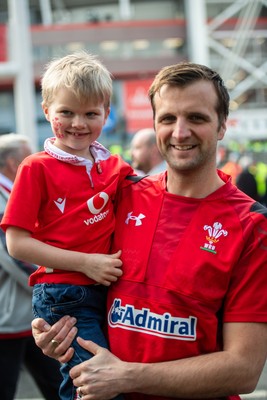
(66, 112)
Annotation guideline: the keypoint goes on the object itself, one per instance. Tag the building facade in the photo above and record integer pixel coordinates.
(134, 39)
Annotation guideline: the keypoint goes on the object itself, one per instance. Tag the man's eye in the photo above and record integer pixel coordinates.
(196, 118)
(167, 119)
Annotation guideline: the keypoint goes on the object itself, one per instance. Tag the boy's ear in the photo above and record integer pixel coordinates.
(107, 112)
(45, 110)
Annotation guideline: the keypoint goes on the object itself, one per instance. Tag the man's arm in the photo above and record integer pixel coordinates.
(235, 370)
(18, 270)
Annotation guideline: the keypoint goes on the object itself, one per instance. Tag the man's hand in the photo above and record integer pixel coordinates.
(55, 340)
(100, 377)
(235, 369)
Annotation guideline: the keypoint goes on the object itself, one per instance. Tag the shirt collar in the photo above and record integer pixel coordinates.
(6, 182)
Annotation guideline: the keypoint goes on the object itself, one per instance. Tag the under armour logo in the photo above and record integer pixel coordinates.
(137, 220)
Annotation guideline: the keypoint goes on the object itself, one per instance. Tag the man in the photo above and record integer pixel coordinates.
(188, 317)
(17, 347)
(145, 155)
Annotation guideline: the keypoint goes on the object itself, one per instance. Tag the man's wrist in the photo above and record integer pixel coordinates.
(133, 377)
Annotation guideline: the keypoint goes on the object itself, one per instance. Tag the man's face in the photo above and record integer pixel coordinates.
(25, 151)
(187, 126)
(15, 159)
(140, 154)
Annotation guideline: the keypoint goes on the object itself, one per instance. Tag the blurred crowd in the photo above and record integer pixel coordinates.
(248, 173)
(247, 169)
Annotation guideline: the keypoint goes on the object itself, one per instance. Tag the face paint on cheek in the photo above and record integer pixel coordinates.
(56, 125)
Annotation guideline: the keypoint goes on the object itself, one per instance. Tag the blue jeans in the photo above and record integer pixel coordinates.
(88, 305)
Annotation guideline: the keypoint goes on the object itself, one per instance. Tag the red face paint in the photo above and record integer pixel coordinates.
(56, 128)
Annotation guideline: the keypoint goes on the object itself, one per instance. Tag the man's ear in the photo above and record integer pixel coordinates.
(222, 130)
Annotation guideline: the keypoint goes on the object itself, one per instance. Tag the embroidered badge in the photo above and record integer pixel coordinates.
(214, 232)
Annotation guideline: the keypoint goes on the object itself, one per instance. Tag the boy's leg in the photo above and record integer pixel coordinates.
(88, 305)
(91, 322)
(44, 299)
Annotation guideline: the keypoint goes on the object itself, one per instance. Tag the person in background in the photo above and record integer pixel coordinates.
(231, 166)
(17, 346)
(246, 180)
(145, 155)
(261, 179)
(188, 317)
(65, 219)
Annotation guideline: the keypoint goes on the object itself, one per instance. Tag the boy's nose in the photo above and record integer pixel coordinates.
(79, 121)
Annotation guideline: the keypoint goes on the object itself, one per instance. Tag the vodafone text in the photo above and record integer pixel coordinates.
(96, 218)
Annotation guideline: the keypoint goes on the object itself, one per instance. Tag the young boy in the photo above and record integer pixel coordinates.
(60, 213)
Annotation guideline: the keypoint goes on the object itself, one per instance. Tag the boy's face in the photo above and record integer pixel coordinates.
(75, 124)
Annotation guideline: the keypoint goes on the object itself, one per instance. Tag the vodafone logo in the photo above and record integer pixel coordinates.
(97, 203)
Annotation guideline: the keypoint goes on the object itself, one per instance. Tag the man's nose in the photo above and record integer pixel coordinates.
(181, 130)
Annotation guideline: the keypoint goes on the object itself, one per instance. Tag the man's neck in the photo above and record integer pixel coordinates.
(193, 186)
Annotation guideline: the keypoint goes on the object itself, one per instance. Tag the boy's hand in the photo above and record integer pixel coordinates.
(103, 268)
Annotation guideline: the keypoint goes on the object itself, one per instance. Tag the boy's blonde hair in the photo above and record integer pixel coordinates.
(82, 73)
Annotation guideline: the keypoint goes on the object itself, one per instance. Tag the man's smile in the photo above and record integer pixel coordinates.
(183, 147)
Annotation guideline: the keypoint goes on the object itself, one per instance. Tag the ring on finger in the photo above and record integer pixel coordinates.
(80, 392)
(54, 342)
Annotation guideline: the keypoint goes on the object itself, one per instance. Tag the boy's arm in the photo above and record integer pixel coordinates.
(102, 268)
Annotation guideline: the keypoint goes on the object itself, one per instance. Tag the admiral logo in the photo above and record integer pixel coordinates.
(161, 325)
(95, 205)
(138, 219)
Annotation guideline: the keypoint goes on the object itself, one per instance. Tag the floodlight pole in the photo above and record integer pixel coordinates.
(20, 67)
(197, 32)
